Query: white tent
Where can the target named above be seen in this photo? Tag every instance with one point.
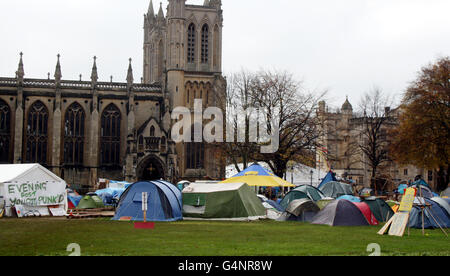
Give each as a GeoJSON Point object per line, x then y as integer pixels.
{"type": "Point", "coordinates": [32, 190]}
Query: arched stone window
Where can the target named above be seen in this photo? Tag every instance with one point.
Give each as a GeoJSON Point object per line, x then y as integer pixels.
{"type": "Point", "coordinates": [152, 131]}
{"type": "Point", "coordinates": [36, 138]}
{"type": "Point", "coordinates": [5, 132]}
{"type": "Point", "coordinates": [205, 44]}
{"type": "Point", "coordinates": [191, 44]}
{"type": "Point", "coordinates": [110, 136]}
{"type": "Point", "coordinates": [195, 153]}
{"type": "Point", "coordinates": [216, 51]}
{"type": "Point", "coordinates": [74, 121]}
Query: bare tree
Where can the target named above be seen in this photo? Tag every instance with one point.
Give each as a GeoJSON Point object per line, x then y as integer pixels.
{"type": "Point", "coordinates": [376, 118]}
{"type": "Point", "coordinates": [281, 99]}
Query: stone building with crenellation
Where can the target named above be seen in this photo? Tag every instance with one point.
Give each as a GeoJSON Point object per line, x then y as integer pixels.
{"type": "Point", "coordinates": [342, 134]}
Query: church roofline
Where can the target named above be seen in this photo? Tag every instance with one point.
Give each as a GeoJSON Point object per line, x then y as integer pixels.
{"type": "Point", "coordinates": [82, 85]}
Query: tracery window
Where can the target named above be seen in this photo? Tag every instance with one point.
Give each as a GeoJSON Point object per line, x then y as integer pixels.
{"type": "Point", "coordinates": [191, 44]}
{"type": "Point", "coordinates": [110, 136]}
{"type": "Point", "coordinates": [36, 140]}
{"type": "Point", "coordinates": [5, 132]}
{"type": "Point", "coordinates": [205, 44]}
{"type": "Point", "coordinates": [74, 121]}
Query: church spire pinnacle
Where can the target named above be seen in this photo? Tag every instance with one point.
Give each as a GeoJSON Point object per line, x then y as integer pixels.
{"type": "Point", "coordinates": [130, 78]}
{"type": "Point", "coordinates": [151, 11]}
{"type": "Point", "coordinates": [160, 12]}
{"type": "Point", "coordinates": [20, 71]}
{"type": "Point", "coordinates": [58, 74]}
{"type": "Point", "coordinates": [94, 74]}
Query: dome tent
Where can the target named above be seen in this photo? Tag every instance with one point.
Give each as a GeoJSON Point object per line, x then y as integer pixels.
{"type": "Point", "coordinates": [300, 210]}
{"type": "Point", "coordinates": [336, 189]}
{"type": "Point", "coordinates": [380, 209]}
{"type": "Point", "coordinates": [164, 202]}
{"type": "Point", "coordinates": [340, 213]}
{"type": "Point", "coordinates": [365, 209]}
{"type": "Point", "coordinates": [90, 201]}
{"type": "Point", "coordinates": [303, 191]}
{"type": "Point", "coordinates": [435, 216]}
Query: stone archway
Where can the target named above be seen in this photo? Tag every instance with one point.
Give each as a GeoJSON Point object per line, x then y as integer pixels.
{"type": "Point", "coordinates": [151, 168]}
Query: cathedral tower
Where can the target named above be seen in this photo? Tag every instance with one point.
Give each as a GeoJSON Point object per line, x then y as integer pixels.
{"type": "Point", "coordinates": [183, 52]}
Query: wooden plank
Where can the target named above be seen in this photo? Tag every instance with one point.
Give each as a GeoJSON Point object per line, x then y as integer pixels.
{"type": "Point", "coordinates": [386, 226]}
{"type": "Point", "coordinates": [399, 224]}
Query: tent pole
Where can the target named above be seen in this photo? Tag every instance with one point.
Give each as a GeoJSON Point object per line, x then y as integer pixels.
{"type": "Point", "coordinates": [422, 208]}
{"type": "Point", "coordinates": [437, 222]}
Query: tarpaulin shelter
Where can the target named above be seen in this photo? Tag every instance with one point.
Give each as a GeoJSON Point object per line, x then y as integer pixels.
{"type": "Point", "coordinates": [90, 201]}
{"type": "Point", "coordinates": [300, 210]}
{"type": "Point", "coordinates": [303, 191]}
{"type": "Point", "coordinates": [331, 176]}
{"type": "Point", "coordinates": [270, 202]}
{"type": "Point", "coordinates": [350, 198]}
{"type": "Point", "coordinates": [163, 202]}
{"type": "Point", "coordinates": [340, 213]}
{"type": "Point", "coordinates": [32, 188]}
{"type": "Point", "coordinates": [434, 215]}
{"type": "Point", "coordinates": [221, 201]}
{"type": "Point", "coordinates": [336, 189]}
{"type": "Point", "coordinates": [365, 209]}
{"type": "Point", "coordinates": [257, 176]}
{"type": "Point", "coordinates": [380, 209]}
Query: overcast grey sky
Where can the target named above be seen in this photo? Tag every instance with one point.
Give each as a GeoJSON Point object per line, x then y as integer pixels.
{"type": "Point", "coordinates": [345, 46]}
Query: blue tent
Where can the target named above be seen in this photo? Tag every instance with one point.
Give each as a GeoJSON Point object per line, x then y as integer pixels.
{"type": "Point", "coordinates": [350, 198]}
{"type": "Point", "coordinates": [329, 177]}
{"type": "Point", "coordinates": [164, 202]}
{"type": "Point", "coordinates": [435, 210]}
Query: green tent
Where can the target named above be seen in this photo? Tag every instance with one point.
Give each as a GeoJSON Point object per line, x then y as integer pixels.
{"type": "Point", "coordinates": [380, 209]}
{"type": "Point", "coordinates": [303, 191]}
{"type": "Point", "coordinates": [91, 201]}
{"type": "Point", "coordinates": [221, 201]}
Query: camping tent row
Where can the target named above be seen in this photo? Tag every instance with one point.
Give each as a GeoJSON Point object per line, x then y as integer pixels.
{"type": "Point", "coordinates": [340, 212]}
{"type": "Point", "coordinates": [31, 190]}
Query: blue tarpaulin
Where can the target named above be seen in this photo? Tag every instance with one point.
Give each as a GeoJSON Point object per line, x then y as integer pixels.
{"type": "Point", "coordinates": [328, 178]}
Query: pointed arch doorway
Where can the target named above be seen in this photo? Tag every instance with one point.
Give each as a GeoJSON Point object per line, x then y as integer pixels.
{"type": "Point", "coordinates": [150, 168]}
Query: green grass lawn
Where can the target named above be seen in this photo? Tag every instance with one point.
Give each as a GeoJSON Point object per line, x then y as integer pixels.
{"type": "Point", "coordinates": [40, 236]}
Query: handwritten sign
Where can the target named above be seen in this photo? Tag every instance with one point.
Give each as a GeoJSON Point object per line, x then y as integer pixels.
{"type": "Point", "coordinates": [398, 223]}
{"type": "Point", "coordinates": [35, 194]}
{"type": "Point", "coordinates": [407, 200]}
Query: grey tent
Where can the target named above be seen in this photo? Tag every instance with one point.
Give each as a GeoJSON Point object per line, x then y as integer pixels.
{"type": "Point", "coordinates": [443, 203]}
{"type": "Point", "coordinates": [300, 210]}
{"type": "Point", "coordinates": [446, 192]}
{"type": "Point", "coordinates": [336, 189]}
{"type": "Point", "coordinates": [340, 213]}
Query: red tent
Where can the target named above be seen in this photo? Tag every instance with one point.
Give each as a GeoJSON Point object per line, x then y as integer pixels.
{"type": "Point", "coordinates": [365, 209]}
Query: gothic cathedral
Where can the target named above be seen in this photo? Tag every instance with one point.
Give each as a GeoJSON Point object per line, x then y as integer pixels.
{"type": "Point", "coordinates": [86, 130]}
